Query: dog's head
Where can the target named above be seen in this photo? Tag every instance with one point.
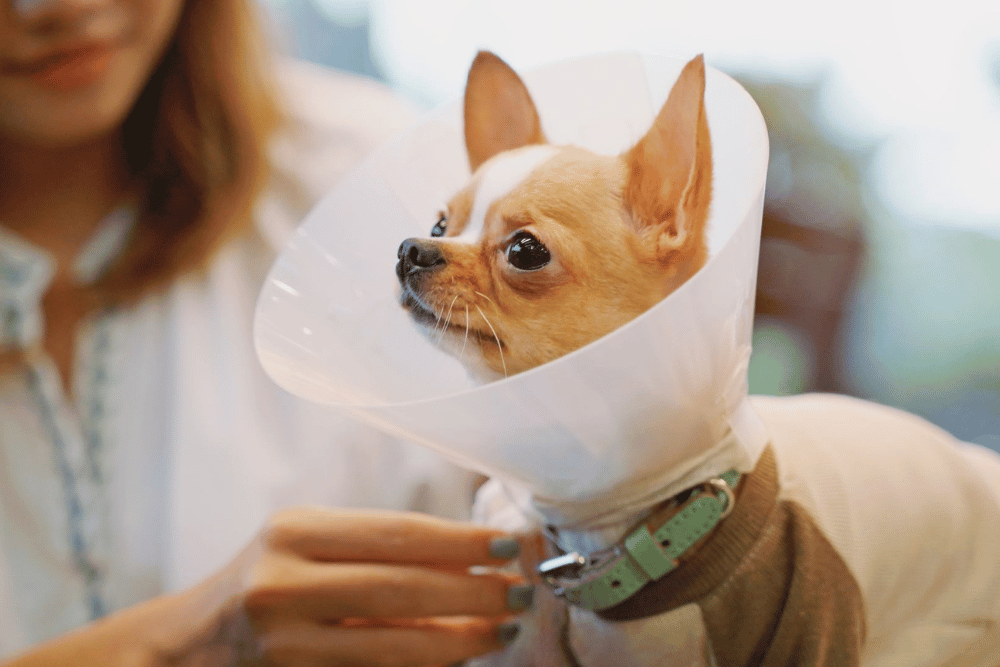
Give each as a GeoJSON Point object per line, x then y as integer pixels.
{"type": "Point", "coordinates": [548, 248]}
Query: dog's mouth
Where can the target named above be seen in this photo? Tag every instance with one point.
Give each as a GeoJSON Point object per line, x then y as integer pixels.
{"type": "Point", "coordinates": [430, 319]}
{"type": "Point", "coordinates": [418, 311]}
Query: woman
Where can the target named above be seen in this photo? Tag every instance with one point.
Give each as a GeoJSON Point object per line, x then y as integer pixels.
{"type": "Point", "coordinates": [140, 444]}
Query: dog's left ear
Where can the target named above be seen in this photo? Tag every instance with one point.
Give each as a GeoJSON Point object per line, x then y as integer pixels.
{"type": "Point", "coordinates": [669, 182]}
{"type": "Point", "coordinates": [499, 112]}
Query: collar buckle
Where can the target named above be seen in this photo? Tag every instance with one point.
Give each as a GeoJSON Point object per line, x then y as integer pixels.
{"type": "Point", "coordinates": [570, 565]}
{"type": "Point", "coordinates": [610, 576]}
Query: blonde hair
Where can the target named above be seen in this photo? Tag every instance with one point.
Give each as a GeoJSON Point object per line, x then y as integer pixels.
{"type": "Point", "coordinates": [196, 140]}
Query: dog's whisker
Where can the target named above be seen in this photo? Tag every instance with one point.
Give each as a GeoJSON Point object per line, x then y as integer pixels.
{"type": "Point", "coordinates": [488, 299]}
{"type": "Point", "coordinates": [499, 346]}
{"type": "Point", "coordinates": [466, 339]}
{"type": "Point", "coordinates": [437, 322]}
{"type": "Point", "coordinates": [447, 320]}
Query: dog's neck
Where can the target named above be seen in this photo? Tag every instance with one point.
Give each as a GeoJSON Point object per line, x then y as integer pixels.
{"type": "Point", "coordinates": [596, 524]}
{"type": "Point", "coordinates": [597, 537]}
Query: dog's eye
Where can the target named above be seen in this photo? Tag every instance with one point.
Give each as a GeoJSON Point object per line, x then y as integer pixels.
{"type": "Point", "coordinates": [527, 253]}
{"type": "Point", "coordinates": [440, 227]}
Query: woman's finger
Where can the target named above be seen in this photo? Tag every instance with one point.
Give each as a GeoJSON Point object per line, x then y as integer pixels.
{"type": "Point", "coordinates": [421, 645]}
{"type": "Point", "coordinates": [329, 591]}
{"type": "Point", "coordinates": [387, 537]}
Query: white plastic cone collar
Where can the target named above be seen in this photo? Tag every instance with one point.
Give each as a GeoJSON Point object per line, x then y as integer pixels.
{"type": "Point", "coordinates": [657, 403]}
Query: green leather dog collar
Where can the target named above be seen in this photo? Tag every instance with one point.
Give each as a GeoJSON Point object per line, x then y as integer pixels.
{"type": "Point", "coordinates": [608, 577]}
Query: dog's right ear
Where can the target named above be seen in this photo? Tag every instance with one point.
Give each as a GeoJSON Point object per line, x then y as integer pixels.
{"type": "Point", "coordinates": [499, 112]}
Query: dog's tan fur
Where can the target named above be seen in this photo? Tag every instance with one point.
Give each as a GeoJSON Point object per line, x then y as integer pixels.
{"type": "Point", "coordinates": [623, 231]}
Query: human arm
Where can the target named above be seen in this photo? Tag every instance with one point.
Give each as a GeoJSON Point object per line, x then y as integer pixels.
{"type": "Point", "coordinates": [317, 586]}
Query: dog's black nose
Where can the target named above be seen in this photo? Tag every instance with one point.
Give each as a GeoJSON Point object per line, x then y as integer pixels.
{"type": "Point", "coordinates": [417, 255]}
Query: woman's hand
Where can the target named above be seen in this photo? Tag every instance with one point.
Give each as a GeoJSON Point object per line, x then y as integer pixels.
{"type": "Point", "coordinates": [331, 587]}
{"type": "Point", "coordinates": [321, 587]}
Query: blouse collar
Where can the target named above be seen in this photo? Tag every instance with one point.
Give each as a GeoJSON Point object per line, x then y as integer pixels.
{"type": "Point", "coordinates": [26, 272]}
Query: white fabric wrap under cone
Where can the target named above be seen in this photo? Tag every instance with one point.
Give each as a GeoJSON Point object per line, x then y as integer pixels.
{"type": "Point", "coordinates": [657, 405]}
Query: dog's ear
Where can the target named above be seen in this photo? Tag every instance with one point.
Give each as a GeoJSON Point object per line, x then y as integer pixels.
{"type": "Point", "coordinates": [499, 113]}
{"type": "Point", "coordinates": [669, 180]}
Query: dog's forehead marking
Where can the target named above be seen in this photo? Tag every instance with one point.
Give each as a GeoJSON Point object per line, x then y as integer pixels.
{"type": "Point", "coordinates": [500, 176]}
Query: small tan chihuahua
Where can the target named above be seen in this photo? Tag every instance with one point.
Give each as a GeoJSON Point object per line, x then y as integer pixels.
{"type": "Point", "coordinates": [549, 248]}
{"type": "Point", "coordinates": [842, 544]}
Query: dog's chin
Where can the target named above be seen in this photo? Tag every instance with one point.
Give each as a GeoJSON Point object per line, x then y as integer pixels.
{"type": "Point", "coordinates": [420, 313]}
{"type": "Point", "coordinates": [427, 320]}
{"type": "Point", "coordinates": [465, 345]}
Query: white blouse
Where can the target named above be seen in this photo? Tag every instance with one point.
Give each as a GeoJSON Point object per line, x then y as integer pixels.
{"type": "Point", "coordinates": [176, 445]}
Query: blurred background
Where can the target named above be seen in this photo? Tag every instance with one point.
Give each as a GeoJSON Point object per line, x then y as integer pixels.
{"type": "Point", "coordinates": [880, 259]}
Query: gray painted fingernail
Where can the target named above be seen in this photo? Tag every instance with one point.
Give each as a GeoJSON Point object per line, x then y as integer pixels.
{"type": "Point", "coordinates": [21, 6]}
{"type": "Point", "coordinates": [504, 548]}
{"type": "Point", "coordinates": [519, 598]}
{"type": "Point", "coordinates": [508, 632]}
